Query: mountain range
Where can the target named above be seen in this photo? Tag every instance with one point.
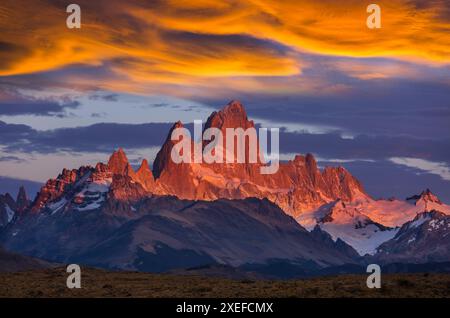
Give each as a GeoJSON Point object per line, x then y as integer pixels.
{"type": "Point", "coordinates": [193, 214]}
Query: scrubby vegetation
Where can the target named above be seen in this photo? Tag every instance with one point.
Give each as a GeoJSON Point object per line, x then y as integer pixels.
{"type": "Point", "coordinates": [99, 283]}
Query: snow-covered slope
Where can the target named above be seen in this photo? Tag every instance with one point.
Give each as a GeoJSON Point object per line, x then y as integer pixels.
{"type": "Point", "coordinates": [364, 223]}
{"type": "Point", "coordinates": [395, 212]}
{"type": "Point", "coordinates": [349, 224]}
{"type": "Point", "coordinates": [426, 238]}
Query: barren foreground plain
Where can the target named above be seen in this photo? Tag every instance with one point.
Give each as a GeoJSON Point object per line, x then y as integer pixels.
{"type": "Point", "coordinates": [100, 283]}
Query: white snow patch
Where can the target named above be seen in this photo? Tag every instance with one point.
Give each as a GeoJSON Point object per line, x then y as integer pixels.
{"type": "Point", "coordinates": [421, 220]}
{"type": "Point", "coordinates": [98, 186]}
{"type": "Point", "coordinates": [9, 213]}
{"type": "Point", "coordinates": [350, 225]}
{"type": "Point", "coordinates": [94, 191]}
{"type": "Point", "coordinates": [436, 224]}
{"type": "Point", "coordinates": [393, 213]}
{"type": "Point", "coordinates": [364, 240]}
{"type": "Point", "coordinates": [56, 206]}
{"type": "Point", "coordinates": [91, 206]}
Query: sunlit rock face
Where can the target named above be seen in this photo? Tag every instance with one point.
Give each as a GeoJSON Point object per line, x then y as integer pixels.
{"type": "Point", "coordinates": [296, 187]}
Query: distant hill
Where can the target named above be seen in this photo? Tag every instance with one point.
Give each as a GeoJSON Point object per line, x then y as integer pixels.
{"type": "Point", "coordinates": [12, 262]}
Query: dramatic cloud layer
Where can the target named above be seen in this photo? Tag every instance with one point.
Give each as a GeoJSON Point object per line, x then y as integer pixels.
{"type": "Point", "coordinates": [106, 137]}
{"type": "Point", "coordinates": [160, 43]}
{"type": "Point", "coordinates": [13, 104]}
{"type": "Point", "coordinates": [342, 91]}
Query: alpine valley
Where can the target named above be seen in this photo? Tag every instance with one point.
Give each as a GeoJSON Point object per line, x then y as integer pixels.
{"type": "Point", "coordinates": [302, 219]}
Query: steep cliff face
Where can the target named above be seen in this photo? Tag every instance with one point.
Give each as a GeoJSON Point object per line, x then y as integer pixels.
{"type": "Point", "coordinates": [163, 162]}
{"type": "Point", "coordinates": [145, 176]}
{"type": "Point", "coordinates": [22, 201]}
{"type": "Point", "coordinates": [296, 187]}
{"type": "Point", "coordinates": [118, 163]}
{"type": "Point", "coordinates": [55, 188]}
{"type": "Point", "coordinates": [232, 116]}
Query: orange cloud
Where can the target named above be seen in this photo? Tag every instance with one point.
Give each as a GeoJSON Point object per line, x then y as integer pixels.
{"type": "Point", "coordinates": [414, 30]}
{"type": "Point", "coordinates": [369, 70]}
{"type": "Point", "coordinates": [49, 45]}
{"type": "Point", "coordinates": [168, 42]}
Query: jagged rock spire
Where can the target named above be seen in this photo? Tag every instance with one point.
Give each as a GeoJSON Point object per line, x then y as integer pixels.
{"type": "Point", "coordinates": [425, 196]}
{"type": "Point", "coordinates": [145, 176]}
{"type": "Point", "coordinates": [22, 199]}
{"type": "Point", "coordinates": [163, 160]}
{"type": "Point", "coordinates": [118, 162]}
{"type": "Point", "coordinates": [233, 115]}
{"type": "Point", "coordinates": [144, 168]}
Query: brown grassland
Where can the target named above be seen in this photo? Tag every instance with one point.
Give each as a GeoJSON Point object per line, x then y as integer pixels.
{"type": "Point", "coordinates": [100, 283]}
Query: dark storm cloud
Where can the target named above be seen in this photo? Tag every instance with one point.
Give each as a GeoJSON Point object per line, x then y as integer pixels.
{"type": "Point", "coordinates": [381, 107]}
{"type": "Point", "coordinates": [13, 103]}
{"type": "Point", "coordinates": [209, 43]}
{"type": "Point", "coordinates": [366, 147]}
{"type": "Point", "coordinates": [104, 137]}
{"type": "Point", "coordinates": [57, 79]}
{"type": "Point", "coordinates": [10, 52]}
{"type": "Point", "coordinates": [41, 108]}
{"type": "Point", "coordinates": [11, 158]}
{"type": "Point", "coordinates": [105, 97]}
{"type": "Point", "coordinates": [13, 133]}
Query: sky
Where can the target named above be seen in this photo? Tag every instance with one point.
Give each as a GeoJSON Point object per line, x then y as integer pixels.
{"type": "Point", "coordinates": [376, 101]}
